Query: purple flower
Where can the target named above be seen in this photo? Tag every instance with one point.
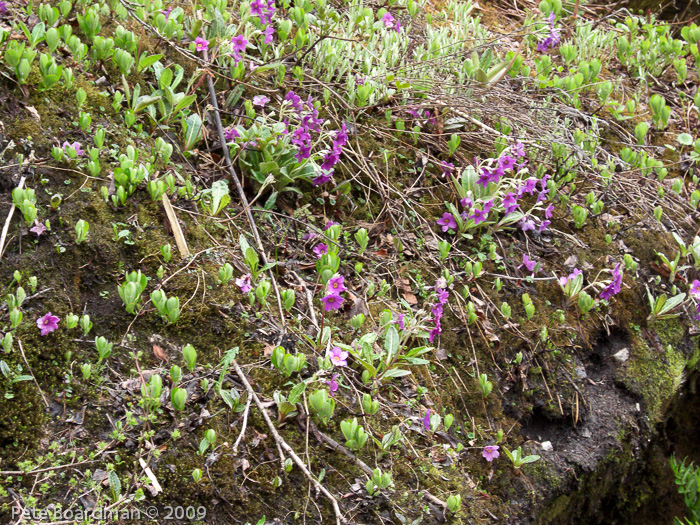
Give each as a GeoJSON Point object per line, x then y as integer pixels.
{"type": "Point", "coordinates": [529, 186]}
{"type": "Point", "coordinates": [543, 226]}
{"type": "Point", "coordinates": [231, 133]}
{"type": "Point", "coordinates": [260, 100]}
{"type": "Point", "coordinates": [447, 168]}
{"type": "Point", "coordinates": [76, 147]}
{"type": "Point", "coordinates": [563, 280]}
{"type": "Point", "coordinates": [38, 229]}
{"type": "Point", "coordinates": [320, 249]}
{"type": "Point", "coordinates": [487, 205]}
{"type": "Point", "coordinates": [448, 221]}
{"type": "Point", "coordinates": [322, 179]}
{"type": "Point", "coordinates": [489, 176]}
{"type": "Point", "coordinates": [519, 149]}
{"type": "Point", "coordinates": [47, 324]}
{"type": "Point", "coordinates": [399, 321]}
{"type": "Point", "coordinates": [335, 284]}
{"type": "Point", "coordinates": [442, 295]}
{"type": "Point", "coordinates": [614, 287]}
{"type": "Point", "coordinates": [548, 211]}
{"type": "Point", "coordinates": [244, 283]}
{"type": "Point", "coordinates": [506, 162]}
{"type": "Point", "coordinates": [329, 224]}
{"type": "Point", "coordinates": [426, 420]}
{"type": "Point", "coordinates": [510, 203]}
{"type": "Point", "coordinates": [479, 216]}
{"type": "Point", "coordinates": [435, 331]}
{"type": "Point", "coordinates": [256, 8]}
{"type": "Point", "coordinates": [239, 43]}
{"type": "Point", "coordinates": [467, 203]}
{"type": "Point", "coordinates": [268, 32]}
{"type": "Point", "coordinates": [527, 224]}
{"type": "Point", "coordinates": [294, 99]}
{"type": "Point", "coordinates": [388, 20]}
{"type": "Point", "coordinates": [694, 288]}
{"type": "Point", "coordinates": [166, 12]}
{"type": "Point", "coordinates": [339, 357]}
{"type": "Point", "coordinates": [528, 264]}
{"type": "Point", "coordinates": [201, 44]}
{"type": "Point", "coordinates": [490, 453]}
{"type": "Point", "coordinates": [332, 302]}
{"type": "Point", "coordinates": [333, 384]}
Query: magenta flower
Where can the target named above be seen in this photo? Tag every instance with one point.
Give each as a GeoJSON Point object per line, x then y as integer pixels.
{"type": "Point", "coordinates": [201, 44]}
{"type": "Point", "coordinates": [490, 453]}
{"type": "Point", "coordinates": [320, 250]}
{"type": "Point", "coordinates": [506, 162]}
{"type": "Point", "coordinates": [38, 229]}
{"type": "Point", "coordinates": [527, 224]}
{"type": "Point", "coordinates": [447, 222]}
{"type": "Point", "coordinates": [329, 224]}
{"type": "Point", "coordinates": [166, 12]}
{"type": "Point", "coordinates": [268, 32]}
{"type": "Point", "coordinates": [333, 385]}
{"type": "Point", "coordinates": [529, 186]}
{"type": "Point", "coordinates": [519, 149]}
{"type": "Point", "coordinates": [510, 203]}
{"type": "Point", "coordinates": [76, 147]}
{"type": "Point", "coordinates": [614, 287]}
{"type": "Point", "coordinates": [231, 133]}
{"type": "Point", "coordinates": [447, 168]}
{"type": "Point", "coordinates": [548, 211]}
{"type": "Point", "coordinates": [565, 279]}
{"type": "Point", "coordinates": [695, 289]}
{"type": "Point", "coordinates": [426, 420]}
{"type": "Point", "coordinates": [239, 43]}
{"type": "Point", "coordinates": [244, 283]}
{"type": "Point", "coordinates": [479, 216]}
{"type": "Point", "coordinates": [3, 8]}
{"type": "Point", "coordinates": [467, 203]}
{"type": "Point", "coordinates": [47, 324]}
{"type": "Point", "coordinates": [399, 321]}
{"type": "Point", "coordinates": [335, 284]}
{"type": "Point", "coordinates": [528, 264]}
{"type": "Point", "coordinates": [388, 20]}
{"type": "Point", "coordinates": [339, 357]}
{"type": "Point", "coordinates": [260, 100]}
{"type": "Point", "coordinates": [332, 302]}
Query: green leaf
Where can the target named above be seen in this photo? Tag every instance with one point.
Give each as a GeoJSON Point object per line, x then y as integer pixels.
{"type": "Point", "coordinates": [391, 342]}
{"type": "Point", "coordinates": [193, 127]}
{"type": "Point", "coordinates": [685, 139]}
{"type": "Point", "coordinates": [145, 61]}
{"type": "Point", "coordinates": [183, 103]}
{"type": "Point", "coordinates": [396, 372]}
{"type": "Point", "coordinates": [145, 101]}
{"type": "Point", "coordinates": [295, 393]}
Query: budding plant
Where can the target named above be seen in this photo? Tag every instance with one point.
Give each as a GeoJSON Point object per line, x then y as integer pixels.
{"type": "Point", "coordinates": [517, 459]}
{"type": "Point", "coordinates": [355, 435]}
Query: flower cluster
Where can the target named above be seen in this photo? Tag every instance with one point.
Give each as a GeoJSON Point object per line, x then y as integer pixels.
{"type": "Point", "coordinates": [264, 10]}
{"type": "Point", "coordinates": [333, 300]}
{"type": "Point", "coordinates": [614, 287]}
{"type": "Point", "coordinates": [530, 265]}
{"type": "Point", "coordinates": [239, 43]}
{"type": "Point", "coordinates": [493, 172]}
{"type": "Point", "coordinates": [442, 296]}
{"type": "Point", "coordinates": [333, 156]}
{"type": "Point", "coordinates": [391, 23]}
{"type": "Point", "coordinates": [301, 136]}
{"type": "Point", "coordinates": [552, 39]}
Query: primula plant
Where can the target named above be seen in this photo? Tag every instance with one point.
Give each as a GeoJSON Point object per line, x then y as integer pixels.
{"type": "Point", "coordinates": [361, 251]}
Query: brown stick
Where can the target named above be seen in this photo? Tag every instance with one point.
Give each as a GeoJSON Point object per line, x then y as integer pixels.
{"type": "Point", "coordinates": [6, 227]}
{"type": "Point", "coordinates": [32, 373]}
{"type": "Point", "coordinates": [282, 444]}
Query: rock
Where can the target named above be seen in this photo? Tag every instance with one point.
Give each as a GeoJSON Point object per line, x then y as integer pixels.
{"type": "Point", "coordinates": [547, 446]}
{"type": "Point", "coordinates": [622, 356]}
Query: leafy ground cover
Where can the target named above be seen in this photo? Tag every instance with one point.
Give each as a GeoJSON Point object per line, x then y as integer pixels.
{"type": "Point", "coordinates": [343, 261]}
